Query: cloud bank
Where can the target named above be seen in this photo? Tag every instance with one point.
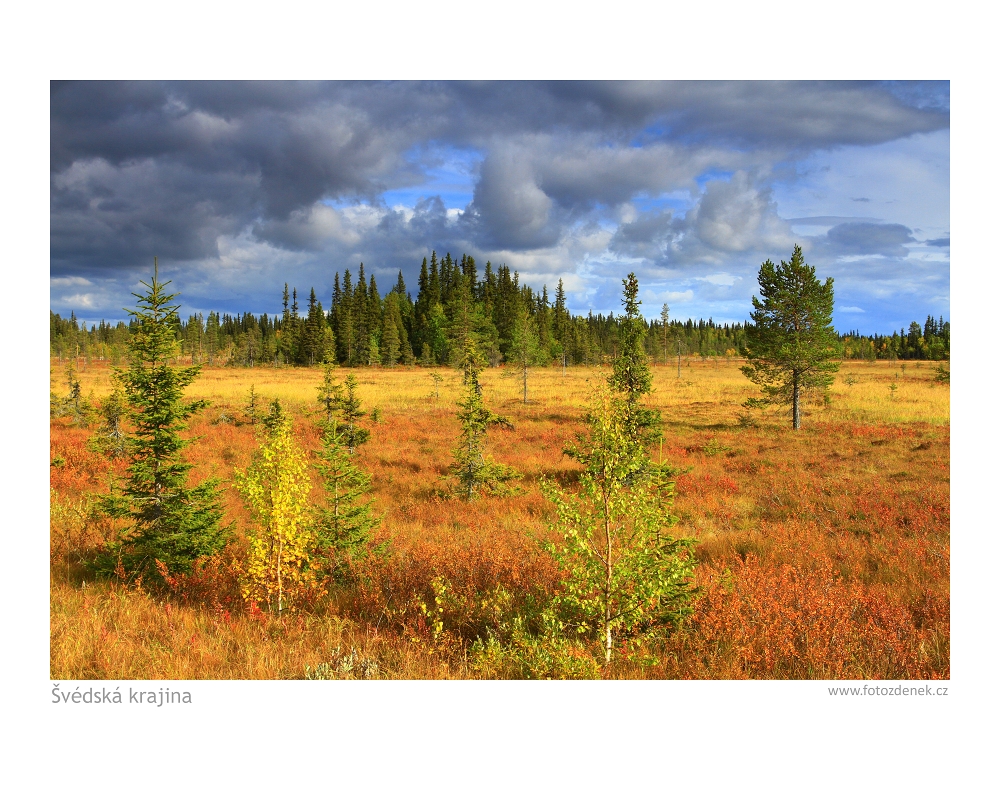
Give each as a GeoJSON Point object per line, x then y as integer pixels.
{"type": "Point", "coordinates": [238, 187]}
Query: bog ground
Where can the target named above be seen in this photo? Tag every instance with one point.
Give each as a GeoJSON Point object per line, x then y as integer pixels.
{"type": "Point", "coordinates": [822, 553]}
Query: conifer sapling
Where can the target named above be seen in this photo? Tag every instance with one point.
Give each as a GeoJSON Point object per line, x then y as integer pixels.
{"type": "Point", "coordinates": [171, 522]}
{"type": "Point", "coordinates": [470, 468]}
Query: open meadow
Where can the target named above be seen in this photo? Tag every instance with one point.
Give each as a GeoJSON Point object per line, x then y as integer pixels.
{"type": "Point", "coordinates": [821, 553]}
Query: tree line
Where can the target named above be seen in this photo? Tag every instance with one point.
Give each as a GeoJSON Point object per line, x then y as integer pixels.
{"type": "Point", "coordinates": [361, 327]}
{"type": "Point", "coordinates": [932, 342]}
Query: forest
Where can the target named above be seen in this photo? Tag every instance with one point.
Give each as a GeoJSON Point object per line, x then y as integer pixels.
{"type": "Point", "coordinates": [363, 328]}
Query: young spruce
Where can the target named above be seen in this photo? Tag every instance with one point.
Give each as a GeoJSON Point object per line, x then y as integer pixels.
{"type": "Point", "coordinates": [171, 522]}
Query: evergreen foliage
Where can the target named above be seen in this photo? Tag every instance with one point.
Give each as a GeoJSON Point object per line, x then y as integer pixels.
{"type": "Point", "coordinates": [525, 349]}
{"type": "Point", "coordinates": [170, 522]}
{"type": "Point", "coordinates": [252, 407]}
{"type": "Point", "coordinates": [453, 297]}
{"type": "Point", "coordinates": [791, 345]}
{"type": "Point", "coordinates": [631, 376]}
{"type": "Point", "coordinates": [331, 394]}
{"type": "Point", "coordinates": [471, 469]}
{"type": "Point", "coordinates": [74, 390]}
{"type": "Point", "coordinates": [391, 324]}
{"type": "Point", "coordinates": [345, 522]}
{"type": "Point", "coordinates": [350, 411]}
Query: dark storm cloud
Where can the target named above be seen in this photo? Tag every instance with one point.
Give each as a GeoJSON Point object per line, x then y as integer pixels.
{"type": "Point", "coordinates": [797, 114]}
{"type": "Point", "coordinates": [105, 217]}
{"type": "Point", "coordinates": [868, 238]}
{"type": "Point", "coordinates": [173, 169]}
{"type": "Point", "coordinates": [154, 155]}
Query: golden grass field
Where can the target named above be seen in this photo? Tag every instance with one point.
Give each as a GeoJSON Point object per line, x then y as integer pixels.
{"type": "Point", "coordinates": [823, 553]}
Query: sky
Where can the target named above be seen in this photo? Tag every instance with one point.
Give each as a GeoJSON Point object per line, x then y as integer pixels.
{"type": "Point", "coordinates": [239, 187]}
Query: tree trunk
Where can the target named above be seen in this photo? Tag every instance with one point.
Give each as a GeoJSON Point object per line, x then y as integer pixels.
{"type": "Point", "coordinates": [796, 413]}
{"type": "Point", "coordinates": [280, 598]}
{"type": "Point", "coordinates": [607, 587]}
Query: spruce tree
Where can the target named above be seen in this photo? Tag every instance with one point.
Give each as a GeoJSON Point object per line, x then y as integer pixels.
{"type": "Point", "coordinates": [252, 408]}
{"type": "Point", "coordinates": [346, 330]}
{"type": "Point", "coordinates": [212, 336]}
{"type": "Point", "coordinates": [791, 345]}
{"type": "Point", "coordinates": [630, 374]}
{"type": "Point", "coordinates": [375, 312]}
{"type": "Point", "coordinates": [390, 330]}
{"type": "Point", "coordinates": [561, 322]}
{"type": "Point", "coordinates": [170, 521]}
{"type": "Point", "coordinates": [359, 312]}
{"type": "Point", "coordinates": [525, 350]}
{"type": "Point", "coordinates": [471, 469]}
{"type": "Point", "coordinates": [664, 318]}
{"type": "Point", "coordinates": [313, 339]}
{"type": "Point", "coordinates": [331, 395]}
{"type": "Point", "coordinates": [75, 395]}
{"type": "Point", "coordinates": [345, 522]}
{"type": "Point", "coordinates": [350, 410]}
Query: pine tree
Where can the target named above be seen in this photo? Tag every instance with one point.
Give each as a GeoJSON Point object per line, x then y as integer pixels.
{"type": "Point", "coordinates": [791, 344]}
{"type": "Point", "coordinates": [170, 522]}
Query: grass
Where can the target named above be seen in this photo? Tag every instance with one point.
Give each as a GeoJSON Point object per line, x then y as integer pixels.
{"type": "Point", "coordinates": [822, 553]}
